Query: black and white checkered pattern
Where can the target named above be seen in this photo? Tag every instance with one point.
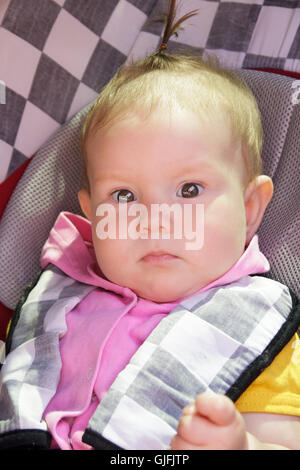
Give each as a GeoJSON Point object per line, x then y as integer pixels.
{"type": "Point", "coordinates": [56, 55]}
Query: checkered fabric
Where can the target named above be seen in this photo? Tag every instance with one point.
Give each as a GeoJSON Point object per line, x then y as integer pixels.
{"type": "Point", "coordinates": [192, 349]}
{"type": "Point", "coordinates": [35, 348]}
{"type": "Point", "coordinates": [55, 55]}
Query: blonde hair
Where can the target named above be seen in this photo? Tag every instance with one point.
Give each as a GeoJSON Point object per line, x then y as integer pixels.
{"type": "Point", "coordinates": [163, 80]}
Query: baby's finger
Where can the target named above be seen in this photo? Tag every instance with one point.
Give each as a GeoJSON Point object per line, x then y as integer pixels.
{"type": "Point", "coordinates": [189, 409]}
{"type": "Point", "coordinates": [178, 443]}
{"type": "Point", "coordinates": [219, 409]}
{"type": "Point", "coordinates": [196, 430]}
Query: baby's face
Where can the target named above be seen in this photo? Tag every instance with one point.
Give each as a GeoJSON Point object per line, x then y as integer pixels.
{"type": "Point", "coordinates": [173, 161]}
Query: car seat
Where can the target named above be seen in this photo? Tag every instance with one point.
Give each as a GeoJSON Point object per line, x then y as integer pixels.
{"type": "Point", "coordinates": [52, 179]}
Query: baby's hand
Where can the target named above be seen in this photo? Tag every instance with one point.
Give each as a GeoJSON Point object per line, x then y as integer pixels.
{"type": "Point", "coordinates": [211, 422]}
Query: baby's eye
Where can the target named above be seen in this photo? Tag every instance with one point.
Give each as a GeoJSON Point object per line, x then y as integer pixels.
{"type": "Point", "coordinates": [123, 195]}
{"type": "Point", "coordinates": [190, 190]}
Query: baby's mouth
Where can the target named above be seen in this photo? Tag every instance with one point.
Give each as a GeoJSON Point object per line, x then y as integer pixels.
{"type": "Point", "coordinates": [158, 257]}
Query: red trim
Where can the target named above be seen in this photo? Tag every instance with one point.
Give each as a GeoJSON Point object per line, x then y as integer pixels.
{"type": "Point", "coordinates": [279, 72]}
{"type": "Point", "coordinates": [5, 316]}
{"type": "Point", "coordinates": [7, 186]}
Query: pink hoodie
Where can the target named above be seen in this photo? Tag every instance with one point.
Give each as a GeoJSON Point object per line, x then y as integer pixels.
{"type": "Point", "coordinates": [106, 328]}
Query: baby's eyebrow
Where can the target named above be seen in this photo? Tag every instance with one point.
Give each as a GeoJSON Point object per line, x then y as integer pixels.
{"type": "Point", "coordinates": [195, 169]}
{"type": "Point", "coordinates": [198, 167]}
{"type": "Point", "coordinates": [113, 176]}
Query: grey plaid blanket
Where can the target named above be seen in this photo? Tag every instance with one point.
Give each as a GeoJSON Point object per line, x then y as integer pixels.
{"type": "Point", "coordinates": [219, 340]}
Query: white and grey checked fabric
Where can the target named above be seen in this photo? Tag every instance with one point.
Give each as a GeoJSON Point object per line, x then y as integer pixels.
{"type": "Point", "coordinates": [35, 350]}
{"type": "Point", "coordinates": [206, 342]}
{"type": "Point", "coordinates": [55, 55]}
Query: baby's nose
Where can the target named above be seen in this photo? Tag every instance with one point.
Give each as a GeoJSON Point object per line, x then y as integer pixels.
{"type": "Point", "coordinates": [156, 221]}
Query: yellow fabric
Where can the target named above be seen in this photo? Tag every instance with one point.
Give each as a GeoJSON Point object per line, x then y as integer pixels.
{"type": "Point", "coordinates": [8, 327]}
{"type": "Point", "coordinates": [277, 389]}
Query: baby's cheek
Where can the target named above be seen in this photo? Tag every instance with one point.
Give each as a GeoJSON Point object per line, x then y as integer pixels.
{"type": "Point", "coordinates": [224, 241]}
{"type": "Point", "coordinates": [106, 256]}
{"type": "Point", "coordinates": [226, 217]}
{"type": "Point", "coordinates": [113, 259]}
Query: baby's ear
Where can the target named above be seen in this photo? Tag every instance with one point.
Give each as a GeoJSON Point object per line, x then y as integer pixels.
{"type": "Point", "coordinates": [257, 196]}
{"type": "Point", "coordinates": [85, 202]}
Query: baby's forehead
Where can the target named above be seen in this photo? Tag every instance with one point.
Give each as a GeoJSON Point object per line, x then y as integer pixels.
{"type": "Point", "coordinates": [186, 141]}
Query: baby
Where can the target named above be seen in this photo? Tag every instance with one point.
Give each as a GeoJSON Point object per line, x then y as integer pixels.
{"type": "Point", "coordinates": [182, 133]}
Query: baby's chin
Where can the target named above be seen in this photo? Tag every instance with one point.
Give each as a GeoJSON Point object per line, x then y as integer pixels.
{"type": "Point", "coordinates": [159, 298]}
{"type": "Point", "coordinates": [164, 295]}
